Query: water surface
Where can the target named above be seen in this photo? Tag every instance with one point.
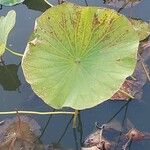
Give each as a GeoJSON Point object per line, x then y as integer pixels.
{"type": "Point", "coordinates": [17, 94]}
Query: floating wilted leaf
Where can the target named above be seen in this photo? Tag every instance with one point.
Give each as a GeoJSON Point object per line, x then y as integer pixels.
{"type": "Point", "coordinates": [20, 134]}
{"type": "Point", "coordinates": [136, 135]}
{"type": "Point", "coordinates": [6, 24]}
{"type": "Point", "coordinates": [8, 77]}
{"type": "Point", "coordinates": [133, 134]}
{"type": "Point", "coordinates": [10, 2]}
{"type": "Point", "coordinates": [80, 55]}
{"type": "Point", "coordinates": [93, 140]}
{"type": "Point", "coordinates": [141, 27]}
{"type": "Point", "coordinates": [120, 3]}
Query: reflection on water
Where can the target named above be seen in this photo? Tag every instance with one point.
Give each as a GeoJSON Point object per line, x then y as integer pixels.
{"type": "Point", "coordinates": [39, 5]}
{"type": "Point", "coordinates": [58, 129]}
{"type": "Point", "coordinates": [8, 77]}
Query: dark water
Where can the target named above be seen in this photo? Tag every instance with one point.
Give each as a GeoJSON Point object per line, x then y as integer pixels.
{"type": "Point", "coordinates": [16, 93]}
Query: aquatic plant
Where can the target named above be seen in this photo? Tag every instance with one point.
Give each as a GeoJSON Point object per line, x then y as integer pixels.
{"type": "Point", "coordinates": [80, 57]}
{"type": "Point", "coordinates": [77, 57]}
{"type": "Point", "coordinates": [10, 2]}
{"type": "Point", "coordinates": [141, 27]}
{"type": "Point", "coordinates": [6, 25]}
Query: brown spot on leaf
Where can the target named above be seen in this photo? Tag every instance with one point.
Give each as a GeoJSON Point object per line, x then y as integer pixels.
{"type": "Point", "coordinates": [96, 21]}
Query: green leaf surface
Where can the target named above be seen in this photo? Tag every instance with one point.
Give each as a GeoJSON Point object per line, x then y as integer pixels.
{"type": "Point", "coordinates": [10, 2]}
{"type": "Point", "coordinates": [6, 25]}
{"type": "Point", "coordinates": [141, 27]}
{"type": "Point", "coordinates": [79, 56]}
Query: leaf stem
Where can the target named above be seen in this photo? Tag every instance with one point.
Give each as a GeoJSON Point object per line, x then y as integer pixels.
{"type": "Point", "coordinates": [15, 53]}
{"type": "Point", "coordinates": [145, 70]}
{"type": "Point", "coordinates": [123, 6]}
{"type": "Point", "coordinates": [37, 113]}
{"type": "Point", "coordinates": [75, 119]}
{"type": "Point", "coordinates": [124, 147]}
{"type": "Point", "coordinates": [49, 3]}
{"type": "Point", "coordinates": [127, 94]}
{"type": "Point", "coordinates": [125, 105]}
{"type": "Point", "coordinates": [86, 2]}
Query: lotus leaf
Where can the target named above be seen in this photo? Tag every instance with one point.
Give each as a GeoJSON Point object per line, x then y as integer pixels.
{"type": "Point", "coordinates": [10, 2]}
{"type": "Point", "coordinates": [79, 56]}
{"type": "Point", "coordinates": [6, 24]}
{"type": "Point", "coordinates": [141, 27]}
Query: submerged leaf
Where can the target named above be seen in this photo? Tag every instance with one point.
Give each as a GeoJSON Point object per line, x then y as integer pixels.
{"type": "Point", "coordinates": [10, 2]}
{"type": "Point", "coordinates": [6, 25]}
{"type": "Point", "coordinates": [80, 55]}
{"type": "Point", "coordinates": [141, 27]}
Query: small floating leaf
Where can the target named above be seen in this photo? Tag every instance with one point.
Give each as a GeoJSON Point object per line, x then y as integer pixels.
{"type": "Point", "coordinates": [141, 27]}
{"type": "Point", "coordinates": [10, 2]}
{"type": "Point", "coordinates": [6, 25]}
{"type": "Point", "coordinates": [80, 55]}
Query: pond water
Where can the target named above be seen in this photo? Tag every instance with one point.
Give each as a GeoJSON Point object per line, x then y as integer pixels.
{"type": "Point", "coordinates": [15, 93]}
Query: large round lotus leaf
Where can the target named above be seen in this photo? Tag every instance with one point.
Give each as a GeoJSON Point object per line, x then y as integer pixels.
{"type": "Point", "coordinates": [79, 56]}
{"type": "Point", "coordinates": [6, 24]}
{"type": "Point", "coordinates": [141, 27]}
{"type": "Point", "coordinates": [10, 2]}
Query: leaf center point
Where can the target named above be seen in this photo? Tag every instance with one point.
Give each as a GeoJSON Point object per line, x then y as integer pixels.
{"type": "Point", "coordinates": [77, 61]}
